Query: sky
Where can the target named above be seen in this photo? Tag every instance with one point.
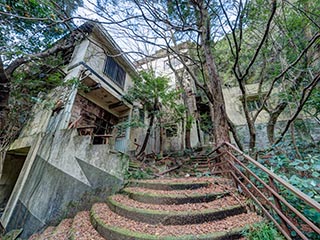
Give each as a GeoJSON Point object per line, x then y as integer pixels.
{"type": "Point", "coordinates": [120, 33]}
{"type": "Point", "coordinates": [127, 44]}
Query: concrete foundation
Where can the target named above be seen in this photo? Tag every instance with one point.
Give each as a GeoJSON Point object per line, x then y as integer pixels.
{"type": "Point", "coordinates": [61, 180]}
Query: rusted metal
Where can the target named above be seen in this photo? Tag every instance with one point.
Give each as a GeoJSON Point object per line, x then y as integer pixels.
{"type": "Point", "coordinates": [265, 198]}
{"type": "Point", "coordinates": [296, 191]}
{"type": "Point", "coordinates": [300, 215]}
{"type": "Point", "coordinates": [272, 189]}
{"type": "Point", "coordinates": [217, 156]}
{"type": "Point", "coordinates": [278, 204]}
{"type": "Point", "coordinates": [214, 150]}
{"type": "Point", "coordinates": [265, 211]}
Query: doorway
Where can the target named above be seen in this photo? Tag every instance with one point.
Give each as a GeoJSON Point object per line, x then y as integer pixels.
{"type": "Point", "coordinates": [11, 169]}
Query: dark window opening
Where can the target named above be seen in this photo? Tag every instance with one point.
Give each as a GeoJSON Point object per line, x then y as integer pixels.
{"type": "Point", "coordinates": [141, 115]}
{"type": "Point", "coordinates": [115, 72]}
{"type": "Point", "coordinates": [172, 131]}
{"type": "Point", "coordinates": [253, 105]}
{"type": "Point", "coordinates": [254, 101]}
{"type": "Point", "coordinates": [90, 119]}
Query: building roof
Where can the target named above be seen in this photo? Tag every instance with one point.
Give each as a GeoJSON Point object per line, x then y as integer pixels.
{"type": "Point", "coordinates": [102, 34]}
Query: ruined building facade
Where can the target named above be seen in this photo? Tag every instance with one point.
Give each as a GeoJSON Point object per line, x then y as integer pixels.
{"type": "Point", "coordinates": [71, 153]}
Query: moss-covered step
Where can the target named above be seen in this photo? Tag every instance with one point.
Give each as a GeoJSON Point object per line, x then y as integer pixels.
{"type": "Point", "coordinates": [115, 227]}
{"type": "Point", "coordinates": [61, 232]}
{"type": "Point", "coordinates": [158, 185]}
{"type": "Point", "coordinates": [168, 198]}
{"type": "Point", "coordinates": [45, 235]}
{"type": "Point", "coordinates": [167, 217]}
{"type": "Point", "coordinates": [82, 228]}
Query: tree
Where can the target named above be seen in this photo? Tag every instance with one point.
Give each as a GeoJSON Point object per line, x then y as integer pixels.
{"type": "Point", "coordinates": [278, 52]}
{"type": "Point", "coordinates": [32, 27]}
{"type": "Point", "coordinates": [191, 21]}
{"type": "Point", "coordinates": [158, 99]}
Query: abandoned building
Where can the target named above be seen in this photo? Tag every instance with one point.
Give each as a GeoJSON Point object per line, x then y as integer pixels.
{"type": "Point", "coordinates": [70, 152]}
{"type": "Point", "coordinates": [75, 150]}
{"type": "Point", "coordinates": [169, 65]}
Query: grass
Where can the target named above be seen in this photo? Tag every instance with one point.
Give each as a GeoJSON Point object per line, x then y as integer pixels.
{"type": "Point", "coordinates": [262, 231]}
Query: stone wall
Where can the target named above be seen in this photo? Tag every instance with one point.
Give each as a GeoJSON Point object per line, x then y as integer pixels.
{"type": "Point", "coordinates": [306, 131]}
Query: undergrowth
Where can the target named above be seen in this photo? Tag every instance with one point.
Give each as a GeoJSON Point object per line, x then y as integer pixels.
{"type": "Point", "coordinates": [262, 231]}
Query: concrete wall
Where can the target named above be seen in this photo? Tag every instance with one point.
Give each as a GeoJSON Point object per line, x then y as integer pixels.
{"type": "Point", "coordinates": [232, 97]}
{"type": "Point", "coordinates": [62, 171]}
{"type": "Point", "coordinates": [96, 58]}
{"type": "Point", "coordinates": [306, 131]}
{"type": "Point", "coordinates": [161, 66]}
{"type": "Point", "coordinates": [66, 175]}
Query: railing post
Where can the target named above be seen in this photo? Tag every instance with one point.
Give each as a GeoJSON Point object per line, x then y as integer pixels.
{"type": "Point", "coordinates": [278, 205]}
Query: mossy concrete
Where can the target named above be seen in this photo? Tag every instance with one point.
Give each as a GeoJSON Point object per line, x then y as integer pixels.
{"type": "Point", "coordinates": [118, 233]}
{"type": "Point", "coordinates": [62, 180]}
{"type": "Point", "coordinates": [156, 198]}
{"type": "Point", "coordinates": [173, 217]}
{"type": "Point", "coordinates": [168, 186]}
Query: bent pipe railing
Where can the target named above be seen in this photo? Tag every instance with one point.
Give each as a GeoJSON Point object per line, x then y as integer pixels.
{"type": "Point", "coordinates": [268, 199]}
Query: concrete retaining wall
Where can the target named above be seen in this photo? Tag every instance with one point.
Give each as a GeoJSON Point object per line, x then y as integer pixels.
{"type": "Point", "coordinates": [68, 174]}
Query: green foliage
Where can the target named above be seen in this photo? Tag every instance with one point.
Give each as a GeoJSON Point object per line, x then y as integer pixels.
{"type": "Point", "coordinates": [156, 96]}
{"type": "Point", "coordinates": [301, 173]}
{"type": "Point", "coordinates": [140, 174]}
{"type": "Point", "coordinates": [312, 107]}
{"type": "Point", "coordinates": [189, 122]}
{"type": "Point", "coordinates": [31, 25]}
{"type": "Point", "coordinates": [262, 231]}
{"type": "Point", "coordinates": [12, 235]}
{"type": "Point", "coordinates": [206, 123]}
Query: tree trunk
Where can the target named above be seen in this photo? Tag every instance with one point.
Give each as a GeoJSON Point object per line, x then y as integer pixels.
{"type": "Point", "coordinates": [4, 96]}
{"type": "Point", "coordinates": [187, 138]}
{"type": "Point", "coordinates": [273, 120]}
{"type": "Point", "coordinates": [146, 138]}
{"type": "Point", "coordinates": [187, 131]}
{"type": "Point", "coordinates": [218, 111]}
{"type": "Point", "coordinates": [292, 131]}
{"type": "Point", "coordinates": [160, 138]}
{"type": "Point", "coordinates": [152, 117]}
{"type": "Point", "coordinates": [233, 130]}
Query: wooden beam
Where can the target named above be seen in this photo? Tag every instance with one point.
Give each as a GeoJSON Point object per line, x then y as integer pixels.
{"type": "Point", "coordinates": [115, 105]}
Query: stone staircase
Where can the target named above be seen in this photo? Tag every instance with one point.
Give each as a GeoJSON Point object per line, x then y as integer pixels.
{"type": "Point", "coordinates": [172, 209]}
{"type": "Point", "coordinates": [196, 166]}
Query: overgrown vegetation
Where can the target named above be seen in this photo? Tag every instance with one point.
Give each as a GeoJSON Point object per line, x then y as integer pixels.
{"type": "Point", "coordinates": [274, 46]}
{"type": "Point", "coordinates": [158, 100]}
{"type": "Point", "coordinates": [262, 231]}
{"type": "Point", "coordinates": [302, 172]}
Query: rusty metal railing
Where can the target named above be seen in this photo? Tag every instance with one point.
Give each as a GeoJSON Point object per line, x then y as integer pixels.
{"type": "Point", "coordinates": [264, 191]}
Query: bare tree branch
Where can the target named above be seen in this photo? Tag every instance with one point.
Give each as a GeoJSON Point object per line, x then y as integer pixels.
{"type": "Point", "coordinates": [305, 96]}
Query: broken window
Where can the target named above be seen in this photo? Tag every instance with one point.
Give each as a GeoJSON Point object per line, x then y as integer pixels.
{"type": "Point", "coordinates": [253, 105]}
{"type": "Point", "coordinates": [253, 102]}
{"type": "Point", "coordinates": [115, 72]}
{"type": "Point", "coordinates": [172, 130]}
{"type": "Point", "coordinates": [91, 119]}
{"type": "Point", "coordinates": [141, 115]}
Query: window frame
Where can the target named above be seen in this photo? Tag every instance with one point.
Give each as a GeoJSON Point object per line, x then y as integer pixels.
{"type": "Point", "coordinates": [117, 75]}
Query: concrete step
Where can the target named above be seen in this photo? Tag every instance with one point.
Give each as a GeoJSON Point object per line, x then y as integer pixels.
{"type": "Point", "coordinates": [45, 235]}
{"type": "Point", "coordinates": [62, 231]}
{"type": "Point", "coordinates": [82, 228]}
{"type": "Point", "coordinates": [159, 185]}
{"type": "Point", "coordinates": [114, 227]}
{"type": "Point", "coordinates": [165, 197]}
{"type": "Point", "coordinates": [182, 209]}
{"type": "Point", "coordinates": [163, 214]}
